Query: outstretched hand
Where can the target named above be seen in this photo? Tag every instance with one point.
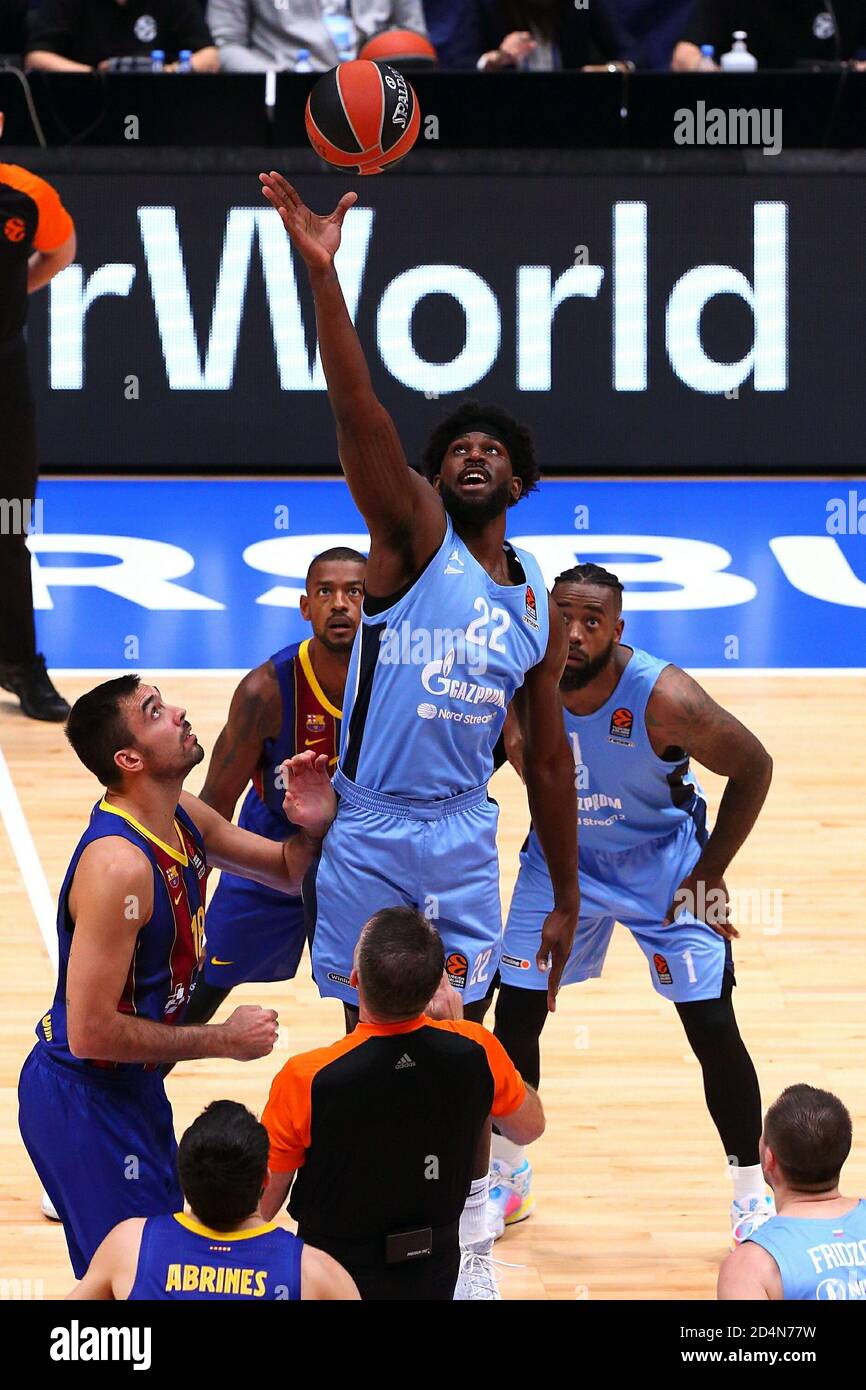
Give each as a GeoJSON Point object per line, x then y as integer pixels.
{"type": "Point", "coordinates": [317, 239]}
{"type": "Point", "coordinates": [309, 800]}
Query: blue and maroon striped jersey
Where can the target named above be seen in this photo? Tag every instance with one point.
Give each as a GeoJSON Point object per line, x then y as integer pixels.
{"type": "Point", "coordinates": [168, 949]}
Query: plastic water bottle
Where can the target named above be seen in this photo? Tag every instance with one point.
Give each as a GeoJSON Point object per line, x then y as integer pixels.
{"type": "Point", "coordinates": [302, 62]}
{"type": "Point", "coordinates": [184, 60]}
{"type": "Point", "coordinates": [708, 58]}
{"type": "Point", "coordinates": [157, 60]}
{"type": "Point", "coordinates": [342, 31]}
{"type": "Point", "coordinates": [739, 59]}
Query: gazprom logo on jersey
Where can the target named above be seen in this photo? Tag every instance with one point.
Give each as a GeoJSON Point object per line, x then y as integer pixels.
{"type": "Point", "coordinates": [420, 646]}
{"type": "Point", "coordinates": [436, 679]}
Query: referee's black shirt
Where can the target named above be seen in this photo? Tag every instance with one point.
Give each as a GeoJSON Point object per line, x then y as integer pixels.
{"type": "Point", "coordinates": [384, 1126]}
{"type": "Point", "coordinates": [32, 218]}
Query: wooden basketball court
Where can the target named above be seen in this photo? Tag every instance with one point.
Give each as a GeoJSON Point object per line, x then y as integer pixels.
{"type": "Point", "coordinates": [632, 1196]}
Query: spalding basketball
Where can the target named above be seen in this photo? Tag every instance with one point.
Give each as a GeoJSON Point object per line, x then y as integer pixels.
{"type": "Point", "coordinates": [362, 116]}
{"type": "Point", "coordinates": [404, 48]}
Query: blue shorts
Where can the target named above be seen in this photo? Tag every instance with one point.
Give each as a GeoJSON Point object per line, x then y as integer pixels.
{"type": "Point", "coordinates": [103, 1145]}
{"type": "Point", "coordinates": [252, 933]}
{"type": "Point", "coordinates": [686, 960]}
{"type": "Point", "coordinates": [439, 857]}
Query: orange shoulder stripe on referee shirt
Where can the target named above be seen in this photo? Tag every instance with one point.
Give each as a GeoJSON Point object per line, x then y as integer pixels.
{"type": "Point", "coordinates": [55, 225]}
{"type": "Point", "coordinates": [288, 1114]}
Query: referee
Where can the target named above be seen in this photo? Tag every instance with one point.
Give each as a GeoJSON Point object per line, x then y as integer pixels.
{"type": "Point", "coordinates": [37, 241]}
{"type": "Point", "coordinates": [387, 1127]}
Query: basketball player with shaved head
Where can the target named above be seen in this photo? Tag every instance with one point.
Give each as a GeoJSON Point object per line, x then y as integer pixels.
{"type": "Point", "coordinates": [648, 860]}
{"type": "Point", "coordinates": [456, 625]}
{"type": "Point", "coordinates": [94, 1115]}
{"type": "Point", "coordinates": [291, 702]}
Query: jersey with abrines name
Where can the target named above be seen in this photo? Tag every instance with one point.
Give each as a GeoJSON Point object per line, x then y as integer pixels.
{"type": "Point", "coordinates": [180, 1258]}
{"type": "Point", "coordinates": [432, 675]}
{"type": "Point", "coordinates": [308, 720]}
{"type": "Point", "coordinates": [818, 1257]}
{"type": "Point", "coordinates": [168, 948]}
{"type": "Point", "coordinates": [626, 794]}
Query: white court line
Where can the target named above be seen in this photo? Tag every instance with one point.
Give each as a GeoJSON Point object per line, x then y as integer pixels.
{"type": "Point", "coordinates": [29, 863]}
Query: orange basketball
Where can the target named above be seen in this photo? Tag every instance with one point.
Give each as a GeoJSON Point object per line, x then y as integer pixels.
{"type": "Point", "coordinates": [362, 116]}
{"type": "Point", "coordinates": [404, 48]}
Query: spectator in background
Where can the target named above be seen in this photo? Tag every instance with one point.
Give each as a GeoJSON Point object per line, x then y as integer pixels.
{"type": "Point", "coordinates": [13, 26]}
{"type": "Point", "coordinates": [259, 35]}
{"type": "Point", "coordinates": [655, 26]}
{"type": "Point", "coordinates": [82, 35]}
{"type": "Point", "coordinates": [780, 33]}
{"type": "Point", "coordinates": [538, 35]}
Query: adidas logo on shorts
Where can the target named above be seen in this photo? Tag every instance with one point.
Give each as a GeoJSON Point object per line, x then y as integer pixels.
{"type": "Point", "coordinates": [404, 1062]}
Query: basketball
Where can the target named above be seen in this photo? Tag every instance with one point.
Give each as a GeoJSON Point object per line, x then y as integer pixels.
{"type": "Point", "coordinates": [405, 48]}
{"type": "Point", "coordinates": [362, 117]}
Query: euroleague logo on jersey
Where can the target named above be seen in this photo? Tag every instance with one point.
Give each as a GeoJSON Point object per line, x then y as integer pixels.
{"type": "Point", "coordinates": [530, 617]}
{"type": "Point", "coordinates": [621, 724]}
{"type": "Point", "coordinates": [14, 229]}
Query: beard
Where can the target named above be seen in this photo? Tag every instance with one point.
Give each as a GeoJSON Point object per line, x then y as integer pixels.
{"type": "Point", "coordinates": [578, 677]}
{"type": "Point", "coordinates": [472, 514]}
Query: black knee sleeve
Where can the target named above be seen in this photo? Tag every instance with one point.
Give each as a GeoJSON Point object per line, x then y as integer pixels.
{"type": "Point", "coordinates": [520, 1016]}
{"type": "Point", "coordinates": [730, 1081]}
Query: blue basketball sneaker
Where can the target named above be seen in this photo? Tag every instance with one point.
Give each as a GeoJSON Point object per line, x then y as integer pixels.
{"type": "Point", "coordinates": [748, 1215]}
{"type": "Point", "coordinates": [510, 1198]}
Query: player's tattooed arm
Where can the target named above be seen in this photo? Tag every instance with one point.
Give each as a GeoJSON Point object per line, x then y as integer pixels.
{"type": "Point", "coordinates": [548, 770]}
{"type": "Point", "coordinates": [404, 516]}
{"type": "Point", "coordinates": [683, 720]}
{"type": "Point", "coordinates": [110, 901]}
{"type": "Point", "coordinates": [254, 715]}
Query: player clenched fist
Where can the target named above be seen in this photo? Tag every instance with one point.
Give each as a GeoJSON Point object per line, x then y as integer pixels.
{"type": "Point", "coordinates": [250, 1032]}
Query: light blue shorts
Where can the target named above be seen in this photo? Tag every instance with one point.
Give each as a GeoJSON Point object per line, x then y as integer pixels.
{"type": "Point", "coordinates": [686, 960]}
{"type": "Point", "coordinates": [439, 857]}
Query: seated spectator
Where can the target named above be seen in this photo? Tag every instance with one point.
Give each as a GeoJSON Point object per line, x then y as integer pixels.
{"type": "Point", "coordinates": [780, 33]}
{"type": "Point", "coordinates": [13, 26]}
{"type": "Point", "coordinates": [224, 1248]}
{"type": "Point", "coordinates": [815, 1245]}
{"type": "Point", "coordinates": [258, 35]}
{"type": "Point", "coordinates": [82, 35]}
{"type": "Point", "coordinates": [536, 35]}
{"type": "Point", "coordinates": [655, 26]}
{"type": "Point", "coordinates": [388, 1129]}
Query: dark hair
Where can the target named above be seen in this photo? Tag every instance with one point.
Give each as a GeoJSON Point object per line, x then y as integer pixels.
{"type": "Point", "coordinates": [809, 1131]}
{"type": "Point", "coordinates": [97, 726]}
{"type": "Point", "coordinates": [589, 573]}
{"type": "Point", "coordinates": [222, 1160]}
{"type": "Point", "coordinates": [400, 962]}
{"type": "Point", "coordinates": [516, 438]}
{"type": "Point", "coordinates": [336, 552]}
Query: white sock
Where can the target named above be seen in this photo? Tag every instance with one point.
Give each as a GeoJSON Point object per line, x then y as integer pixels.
{"type": "Point", "coordinates": [748, 1182]}
{"type": "Point", "coordinates": [473, 1219]}
{"type": "Point", "coordinates": [508, 1155]}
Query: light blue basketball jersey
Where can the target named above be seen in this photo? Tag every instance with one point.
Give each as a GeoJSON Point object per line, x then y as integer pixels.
{"type": "Point", "coordinates": [818, 1258]}
{"type": "Point", "coordinates": [626, 794]}
{"type": "Point", "coordinates": [431, 676]}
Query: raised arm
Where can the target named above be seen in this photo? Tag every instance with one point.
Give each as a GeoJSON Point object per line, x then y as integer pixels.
{"type": "Point", "coordinates": [254, 715]}
{"type": "Point", "coordinates": [548, 770]}
{"type": "Point", "coordinates": [404, 515]}
{"type": "Point", "coordinates": [309, 802]}
{"type": "Point", "coordinates": [680, 715]}
{"type": "Point", "coordinates": [110, 901]}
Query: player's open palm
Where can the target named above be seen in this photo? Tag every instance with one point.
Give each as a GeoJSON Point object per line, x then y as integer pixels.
{"type": "Point", "coordinates": [309, 800]}
{"type": "Point", "coordinates": [252, 1032]}
{"type": "Point", "coordinates": [316, 238]}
